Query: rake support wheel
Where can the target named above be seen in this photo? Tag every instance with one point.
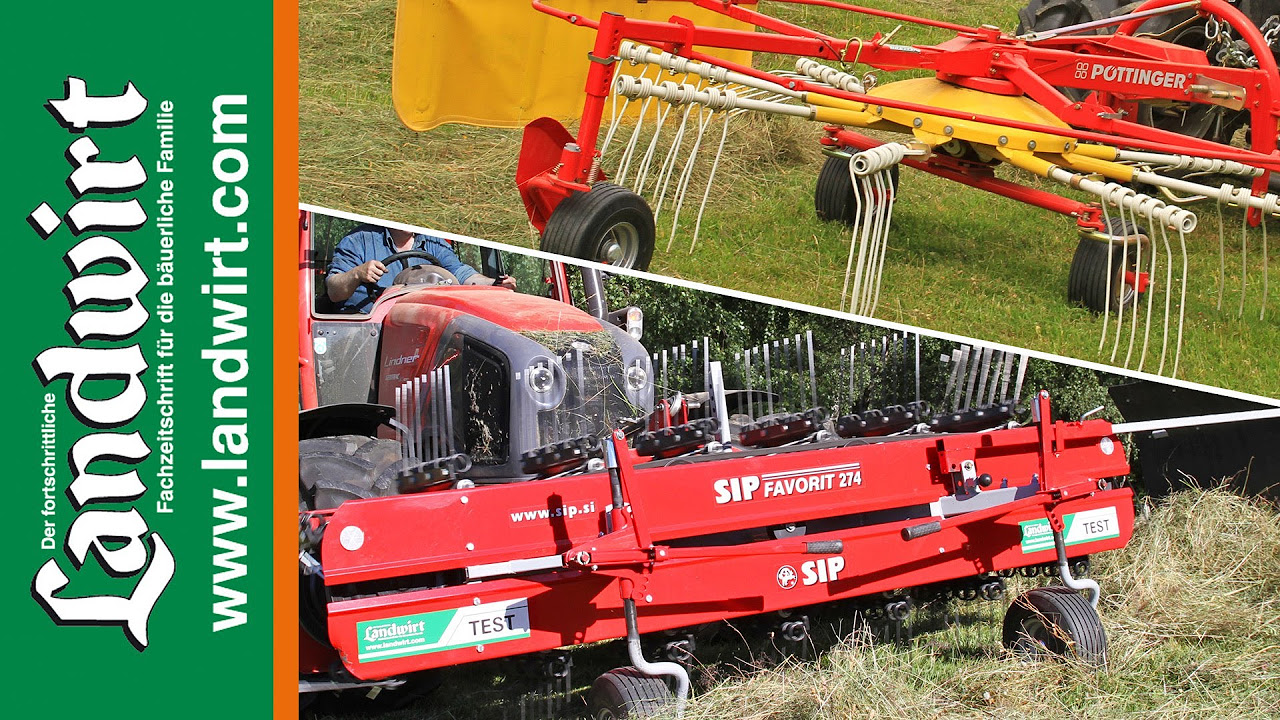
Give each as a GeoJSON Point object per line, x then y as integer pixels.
{"type": "Point", "coordinates": [1055, 622]}
{"type": "Point", "coordinates": [627, 693]}
{"type": "Point", "coordinates": [610, 224]}
{"type": "Point", "coordinates": [1087, 282]}
{"type": "Point", "coordinates": [833, 198]}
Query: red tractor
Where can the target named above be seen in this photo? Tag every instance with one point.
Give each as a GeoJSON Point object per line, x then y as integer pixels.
{"type": "Point", "coordinates": [485, 474]}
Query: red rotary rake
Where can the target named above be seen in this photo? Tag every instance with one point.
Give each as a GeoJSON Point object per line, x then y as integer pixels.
{"type": "Point", "coordinates": [518, 568]}
{"type": "Point", "coordinates": [1075, 109]}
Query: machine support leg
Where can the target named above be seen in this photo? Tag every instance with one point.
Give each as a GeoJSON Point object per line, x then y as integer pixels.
{"type": "Point", "coordinates": [671, 669]}
{"type": "Point", "coordinates": [1064, 569]}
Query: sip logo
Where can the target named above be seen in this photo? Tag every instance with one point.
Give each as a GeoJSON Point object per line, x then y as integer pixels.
{"type": "Point", "coordinates": [814, 572]}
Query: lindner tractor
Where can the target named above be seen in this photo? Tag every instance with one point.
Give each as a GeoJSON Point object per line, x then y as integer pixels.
{"type": "Point", "coordinates": [486, 474]}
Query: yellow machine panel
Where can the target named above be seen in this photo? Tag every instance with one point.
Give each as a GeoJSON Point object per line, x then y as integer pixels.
{"type": "Point", "coordinates": [501, 63]}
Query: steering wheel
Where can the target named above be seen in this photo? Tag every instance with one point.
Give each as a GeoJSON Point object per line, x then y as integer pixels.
{"type": "Point", "coordinates": [375, 290]}
{"type": "Point", "coordinates": [408, 254]}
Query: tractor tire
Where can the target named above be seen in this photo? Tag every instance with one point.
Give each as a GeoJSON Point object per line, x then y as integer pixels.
{"type": "Point", "coordinates": [610, 225]}
{"type": "Point", "coordinates": [332, 470]}
{"type": "Point", "coordinates": [1056, 622]}
{"type": "Point", "coordinates": [833, 198]}
{"type": "Point", "coordinates": [1041, 15]}
{"type": "Point", "coordinates": [627, 693]}
{"type": "Point", "coordinates": [1087, 281]}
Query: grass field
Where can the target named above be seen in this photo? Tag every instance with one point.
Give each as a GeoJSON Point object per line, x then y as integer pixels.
{"type": "Point", "coordinates": [1193, 627]}
{"type": "Point", "coordinates": [1191, 609]}
{"type": "Point", "coordinates": [959, 260]}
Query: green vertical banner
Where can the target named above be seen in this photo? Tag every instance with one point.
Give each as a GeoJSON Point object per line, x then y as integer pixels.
{"type": "Point", "coordinates": [138, 364]}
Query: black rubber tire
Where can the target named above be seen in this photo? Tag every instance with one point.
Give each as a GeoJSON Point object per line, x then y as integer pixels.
{"type": "Point", "coordinates": [585, 224]}
{"type": "Point", "coordinates": [1041, 15]}
{"type": "Point", "coordinates": [332, 470]}
{"type": "Point", "coordinates": [1087, 281]}
{"type": "Point", "coordinates": [626, 693]}
{"type": "Point", "coordinates": [1055, 622]}
{"type": "Point", "coordinates": [833, 197]}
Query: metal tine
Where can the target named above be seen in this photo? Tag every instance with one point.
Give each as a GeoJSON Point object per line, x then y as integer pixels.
{"type": "Point", "coordinates": [448, 412]}
{"type": "Point", "coordinates": [995, 378]}
{"type": "Point", "coordinates": [780, 351]}
{"type": "Point", "coordinates": [976, 359]}
{"type": "Point", "coordinates": [917, 337]}
{"type": "Point", "coordinates": [404, 451]}
{"type": "Point", "coordinates": [1022, 372]}
{"type": "Point", "coordinates": [768, 377]}
{"type": "Point", "coordinates": [917, 353]}
{"type": "Point", "coordinates": [437, 390]}
{"type": "Point", "coordinates": [986, 369]}
{"type": "Point", "coordinates": [960, 378]}
{"type": "Point", "coordinates": [429, 414]}
{"type": "Point", "coordinates": [844, 353]}
{"type": "Point", "coordinates": [417, 417]}
{"type": "Point", "coordinates": [852, 348]}
{"type": "Point", "coordinates": [1004, 382]}
{"type": "Point", "coordinates": [901, 346]}
{"type": "Point", "coordinates": [813, 375]}
{"type": "Point", "coordinates": [751, 407]}
{"type": "Point", "coordinates": [429, 401]}
{"type": "Point", "coordinates": [795, 362]}
{"type": "Point", "coordinates": [881, 387]}
{"type": "Point", "coordinates": [411, 398]}
{"type": "Point", "coordinates": [426, 399]}
{"type": "Point", "coordinates": [953, 359]}
{"type": "Point", "coordinates": [665, 387]}
{"type": "Point", "coordinates": [706, 365]}
{"type": "Point", "coordinates": [406, 419]}
{"type": "Point", "coordinates": [864, 389]}
{"type": "Point", "coordinates": [783, 354]}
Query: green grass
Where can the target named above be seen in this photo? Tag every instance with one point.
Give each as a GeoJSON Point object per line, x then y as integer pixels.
{"type": "Point", "coordinates": [1193, 626]}
{"type": "Point", "coordinates": [959, 260]}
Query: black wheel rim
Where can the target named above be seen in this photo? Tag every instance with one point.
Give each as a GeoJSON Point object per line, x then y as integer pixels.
{"type": "Point", "coordinates": [1033, 638]}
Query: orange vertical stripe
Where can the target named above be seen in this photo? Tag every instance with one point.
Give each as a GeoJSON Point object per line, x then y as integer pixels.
{"type": "Point", "coordinates": [285, 359]}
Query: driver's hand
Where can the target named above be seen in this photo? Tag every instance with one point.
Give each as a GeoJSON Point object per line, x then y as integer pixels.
{"type": "Point", "coordinates": [507, 282]}
{"type": "Point", "coordinates": [369, 272]}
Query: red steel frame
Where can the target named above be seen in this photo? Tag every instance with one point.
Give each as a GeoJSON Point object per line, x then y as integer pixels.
{"type": "Point", "coordinates": [635, 552]}
{"type": "Point", "coordinates": [983, 58]}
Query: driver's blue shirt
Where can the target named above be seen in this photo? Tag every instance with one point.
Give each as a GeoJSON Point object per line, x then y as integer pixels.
{"type": "Point", "coordinates": [370, 242]}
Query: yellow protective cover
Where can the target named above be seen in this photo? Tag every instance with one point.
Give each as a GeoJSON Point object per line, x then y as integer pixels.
{"type": "Point", "coordinates": [500, 63]}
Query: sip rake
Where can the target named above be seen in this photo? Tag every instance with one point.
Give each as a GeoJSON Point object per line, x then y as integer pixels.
{"type": "Point", "coordinates": [1058, 104]}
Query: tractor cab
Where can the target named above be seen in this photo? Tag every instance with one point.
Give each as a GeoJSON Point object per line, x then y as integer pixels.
{"type": "Point", "coordinates": [473, 382]}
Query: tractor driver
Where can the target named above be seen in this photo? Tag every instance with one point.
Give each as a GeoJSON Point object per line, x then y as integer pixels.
{"type": "Point", "coordinates": [357, 276]}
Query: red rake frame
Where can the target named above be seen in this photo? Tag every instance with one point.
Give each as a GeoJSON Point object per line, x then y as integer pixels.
{"type": "Point", "coordinates": [592, 556]}
{"type": "Point", "coordinates": [551, 169]}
